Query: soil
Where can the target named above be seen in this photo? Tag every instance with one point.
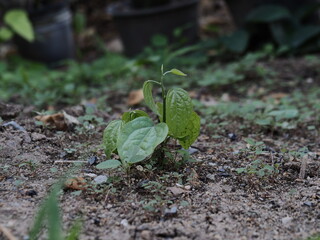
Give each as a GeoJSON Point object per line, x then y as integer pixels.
{"type": "Point", "coordinates": [203, 199]}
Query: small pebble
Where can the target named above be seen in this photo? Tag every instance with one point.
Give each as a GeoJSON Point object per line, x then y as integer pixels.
{"type": "Point", "coordinates": [211, 176]}
{"type": "Point", "coordinates": [232, 136]}
{"type": "Point", "coordinates": [92, 160]}
{"type": "Point", "coordinates": [286, 220]}
{"type": "Point", "coordinates": [124, 222]}
{"type": "Point", "coordinates": [100, 179]}
{"type": "Point", "coordinates": [31, 193]}
{"type": "Point", "coordinates": [170, 212]}
{"type": "Point", "coordinates": [308, 204]}
{"type": "Point", "coordinates": [192, 150]}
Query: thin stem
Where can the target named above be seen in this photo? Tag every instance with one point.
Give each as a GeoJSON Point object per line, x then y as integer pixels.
{"type": "Point", "coordinates": [163, 90]}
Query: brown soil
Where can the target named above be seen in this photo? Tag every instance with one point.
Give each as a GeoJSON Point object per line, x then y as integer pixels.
{"type": "Point", "coordinates": [213, 201]}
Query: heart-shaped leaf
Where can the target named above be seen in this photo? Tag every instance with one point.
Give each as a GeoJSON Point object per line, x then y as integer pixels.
{"type": "Point", "coordinates": [110, 136]}
{"type": "Point", "coordinates": [178, 111]}
{"type": "Point", "coordinates": [192, 131]}
{"type": "Point", "coordinates": [139, 138]}
{"type": "Point", "coordinates": [148, 97]}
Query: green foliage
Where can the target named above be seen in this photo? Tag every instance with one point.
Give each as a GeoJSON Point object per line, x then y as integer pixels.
{"type": "Point", "coordinates": [259, 169]}
{"type": "Point", "coordinates": [136, 137]}
{"type": "Point", "coordinates": [292, 111]}
{"type": "Point", "coordinates": [287, 29]}
{"type": "Point", "coordinates": [49, 214]}
{"type": "Point", "coordinates": [36, 84]}
{"type": "Point", "coordinates": [139, 138]}
{"type": "Point", "coordinates": [232, 72]}
{"type": "Point", "coordinates": [19, 23]}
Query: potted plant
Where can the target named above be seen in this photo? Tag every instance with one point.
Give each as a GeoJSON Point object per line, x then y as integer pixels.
{"type": "Point", "coordinates": [139, 20]}
{"type": "Point", "coordinates": [51, 21]}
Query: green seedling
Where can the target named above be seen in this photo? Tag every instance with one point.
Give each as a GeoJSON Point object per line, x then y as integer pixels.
{"type": "Point", "coordinates": [135, 137]}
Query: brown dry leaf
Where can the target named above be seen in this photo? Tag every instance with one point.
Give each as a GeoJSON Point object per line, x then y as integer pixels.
{"type": "Point", "coordinates": [135, 97]}
{"type": "Point", "coordinates": [76, 183]}
{"type": "Point", "coordinates": [277, 96]}
{"type": "Point", "coordinates": [194, 178]}
{"type": "Point", "coordinates": [54, 120]}
{"type": "Point", "coordinates": [176, 190]}
{"type": "Point", "coordinates": [61, 121]}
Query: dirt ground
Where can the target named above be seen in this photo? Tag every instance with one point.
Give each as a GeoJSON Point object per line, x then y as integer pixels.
{"type": "Point", "coordinates": [204, 199]}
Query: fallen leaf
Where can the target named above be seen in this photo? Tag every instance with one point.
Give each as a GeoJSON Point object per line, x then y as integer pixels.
{"type": "Point", "coordinates": [176, 190]}
{"type": "Point", "coordinates": [277, 96]}
{"type": "Point", "coordinates": [76, 183]}
{"type": "Point", "coordinates": [135, 97]}
{"type": "Point", "coordinates": [60, 121]}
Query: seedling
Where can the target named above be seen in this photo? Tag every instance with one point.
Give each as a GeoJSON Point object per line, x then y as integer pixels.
{"type": "Point", "coordinates": [135, 137]}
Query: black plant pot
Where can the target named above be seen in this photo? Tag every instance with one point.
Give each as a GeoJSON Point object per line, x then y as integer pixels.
{"type": "Point", "coordinates": [54, 37]}
{"type": "Point", "coordinates": [239, 9]}
{"type": "Point", "coordinates": [148, 3]}
{"type": "Point", "coordinates": [137, 26]}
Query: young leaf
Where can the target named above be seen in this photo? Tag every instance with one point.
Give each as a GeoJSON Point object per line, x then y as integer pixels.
{"type": "Point", "coordinates": [177, 72]}
{"type": "Point", "coordinates": [139, 138]}
{"type": "Point", "coordinates": [110, 136]}
{"type": "Point", "coordinates": [178, 111]}
{"type": "Point", "coordinates": [109, 164]}
{"type": "Point", "coordinates": [192, 131]}
{"type": "Point", "coordinates": [148, 98]}
{"type": "Point", "coordinates": [129, 116]}
{"type": "Point", "coordinates": [20, 23]}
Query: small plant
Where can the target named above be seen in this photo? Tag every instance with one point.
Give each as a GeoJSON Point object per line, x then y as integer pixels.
{"type": "Point", "coordinates": [135, 137]}
{"type": "Point", "coordinates": [49, 213]}
{"type": "Point", "coordinates": [260, 169]}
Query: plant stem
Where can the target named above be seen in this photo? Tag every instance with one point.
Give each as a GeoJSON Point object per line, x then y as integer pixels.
{"type": "Point", "coordinates": [163, 90]}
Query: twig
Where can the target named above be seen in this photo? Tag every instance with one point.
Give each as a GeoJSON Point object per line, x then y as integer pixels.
{"type": "Point", "coordinates": [6, 232]}
{"type": "Point", "coordinates": [303, 167]}
{"type": "Point", "coordinates": [69, 161]}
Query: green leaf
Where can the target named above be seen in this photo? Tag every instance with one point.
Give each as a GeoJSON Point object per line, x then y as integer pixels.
{"type": "Point", "coordinates": [241, 170]}
{"type": "Point", "coordinates": [74, 231]}
{"type": "Point", "coordinates": [284, 114]}
{"type": "Point", "coordinates": [129, 116]}
{"type": "Point", "coordinates": [53, 217]}
{"type": "Point", "coordinates": [109, 164]}
{"type": "Point", "coordinates": [5, 34]}
{"type": "Point", "coordinates": [237, 41]}
{"type": "Point", "coordinates": [148, 98]}
{"type": "Point", "coordinates": [110, 136]}
{"type": "Point", "coordinates": [303, 34]}
{"type": "Point", "coordinates": [268, 13]}
{"type": "Point", "coordinates": [139, 138]}
{"type": "Point", "coordinates": [178, 111]}
{"type": "Point", "coordinates": [20, 23]}
{"type": "Point", "coordinates": [177, 72]}
{"type": "Point", "coordinates": [192, 131]}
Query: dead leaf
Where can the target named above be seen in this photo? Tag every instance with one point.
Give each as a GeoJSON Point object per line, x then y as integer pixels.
{"type": "Point", "coordinates": [194, 178]}
{"type": "Point", "coordinates": [176, 190]}
{"type": "Point", "coordinates": [135, 97]}
{"type": "Point", "coordinates": [76, 183]}
{"type": "Point", "coordinates": [276, 96]}
{"type": "Point", "coordinates": [60, 121]}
